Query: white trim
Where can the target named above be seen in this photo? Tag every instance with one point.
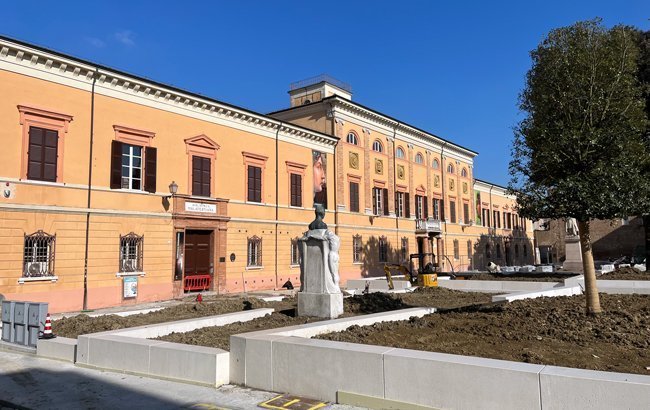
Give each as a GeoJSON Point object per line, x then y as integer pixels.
{"type": "Point", "coordinates": [122, 274]}
{"type": "Point", "coordinates": [23, 280]}
{"type": "Point", "coordinates": [67, 209]}
{"type": "Point", "coordinates": [254, 267]}
{"type": "Point", "coordinates": [65, 71]}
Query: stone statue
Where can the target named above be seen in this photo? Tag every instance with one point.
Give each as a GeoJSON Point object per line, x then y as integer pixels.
{"type": "Point", "coordinates": [318, 223]}
{"type": "Point", "coordinates": [319, 294]}
{"type": "Point", "coordinates": [572, 227]}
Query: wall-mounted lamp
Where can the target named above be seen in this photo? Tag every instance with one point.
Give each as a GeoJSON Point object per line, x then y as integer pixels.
{"type": "Point", "coordinates": [173, 188]}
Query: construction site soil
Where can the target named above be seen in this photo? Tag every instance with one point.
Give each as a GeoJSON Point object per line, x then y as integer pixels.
{"type": "Point", "coordinates": [283, 316]}
{"type": "Point", "coordinates": [552, 331]}
{"type": "Point", "coordinates": [626, 273]}
{"type": "Point", "coordinates": [356, 305]}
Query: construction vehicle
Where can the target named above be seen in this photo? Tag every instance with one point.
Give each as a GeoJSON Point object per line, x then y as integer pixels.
{"type": "Point", "coordinates": [425, 276]}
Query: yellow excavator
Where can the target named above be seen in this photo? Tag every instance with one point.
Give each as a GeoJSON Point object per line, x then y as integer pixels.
{"type": "Point", "coordinates": [426, 276]}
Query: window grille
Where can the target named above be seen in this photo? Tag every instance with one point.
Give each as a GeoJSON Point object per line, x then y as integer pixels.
{"type": "Point", "coordinates": [254, 251]}
{"type": "Point", "coordinates": [356, 248]}
{"type": "Point", "coordinates": [131, 252]}
{"type": "Point", "coordinates": [383, 249]}
{"type": "Point", "coordinates": [38, 255]}
{"type": "Point", "coordinates": [405, 249]}
{"type": "Point", "coordinates": [295, 253]}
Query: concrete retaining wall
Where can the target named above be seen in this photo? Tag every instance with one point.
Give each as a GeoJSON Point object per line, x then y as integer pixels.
{"type": "Point", "coordinates": [563, 291]}
{"type": "Point", "coordinates": [284, 360]}
{"type": "Point", "coordinates": [61, 348]}
{"type": "Point", "coordinates": [496, 286]}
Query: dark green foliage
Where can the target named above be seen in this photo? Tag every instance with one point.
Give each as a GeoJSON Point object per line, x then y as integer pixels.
{"type": "Point", "coordinates": [580, 151]}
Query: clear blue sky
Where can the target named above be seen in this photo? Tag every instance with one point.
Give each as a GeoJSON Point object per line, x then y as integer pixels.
{"type": "Point", "coordinates": [453, 69]}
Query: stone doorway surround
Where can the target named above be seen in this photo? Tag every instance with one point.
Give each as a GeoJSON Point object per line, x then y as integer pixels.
{"type": "Point", "coordinates": [191, 213]}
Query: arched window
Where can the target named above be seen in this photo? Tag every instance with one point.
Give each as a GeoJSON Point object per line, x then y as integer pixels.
{"type": "Point", "coordinates": [419, 158]}
{"type": "Point", "coordinates": [352, 138]}
{"type": "Point", "coordinates": [450, 169]}
{"type": "Point", "coordinates": [377, 147]}
{"type": "Point", "coordinates": [463, 173]}
{"type": "Point", "coordinates": [400, 152]}
{"type": "Point", "coordinates": [436, 164]}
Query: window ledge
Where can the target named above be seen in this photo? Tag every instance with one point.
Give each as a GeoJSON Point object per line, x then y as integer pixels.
{"type": "Point", "coordinates": [38, 279]}
{"type": "Point", "coordinates": [294, 266]}
{"type": "Point", "coordinates": [121, 274]}
{"type": "Point", "coordinates": [254, 267]}
{"type": "Point", "coordinates": [357, 263]}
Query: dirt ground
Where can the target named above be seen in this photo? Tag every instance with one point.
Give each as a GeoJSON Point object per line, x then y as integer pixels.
{"type": "Point", "coordinates": [552, 331]}
{"type": "Point", "coordinates": [215, 305]}
{"type": "Point", "coordinates": [359, 304]}
{"type": "Point", "coordinates": [625, 274]}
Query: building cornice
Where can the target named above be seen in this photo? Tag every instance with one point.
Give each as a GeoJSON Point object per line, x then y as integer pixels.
{"type": "Point", "coordinates": [59, 68]}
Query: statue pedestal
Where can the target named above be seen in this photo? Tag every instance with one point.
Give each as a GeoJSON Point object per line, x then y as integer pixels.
{"type": "Point", "coordinates": [319, 295]}
{"type": "Point", "coordinates": [573, 261]}
{"type": "Point", "coordinates": [329, 305]}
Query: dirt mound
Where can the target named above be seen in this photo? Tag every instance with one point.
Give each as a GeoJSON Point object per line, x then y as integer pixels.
{"type": "Point", "coordinates": [372, 303]}
{"type": "Point", "coordinates": [443, 298]}
{"type": "Point", "coordinates": [84, 324]}
{"type": "Point", "coordinates": [627, 273]}
{"type": "Point", "coordinates": [553, 331]}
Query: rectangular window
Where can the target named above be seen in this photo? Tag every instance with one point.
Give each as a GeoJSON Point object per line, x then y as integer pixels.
{"type": "Point", "coordinates": [495, 218]}
{"type": "Point", "coordinates": [254, 184]}
{"type": "Point", "coordinates": [201, 176]}
{"type": "Point", "coordinates": [452, 211]}
{"type": "Point", "coordinates": [405, 249]}
{"type": "Point", "coordinates": [466, 213]}
{"type": "Point", "coordinates": [486, 217]}
{"type": "Point", "coordinates": [419, 207]}
{"type": "Point", "coordinates": [399, 204]}
{"type": "Point", "coordinates": [38, 255]}
{"type": "Point", "coordinates": [356, 248]}
{"type": "Point", "coordinates": [295, 252]}
{"type": "Point", "coordinates": [436, 208]}
{"type": "Point", "coordinates": [377, 201]}
{"type": "Point", "coordinates": [131, 167]}
{"type": "Point", "coordinates": [254, 252]}
{"type": "Point", "coordinates": [469, 251]}
{"type": "Point", "coordinates": [442, 210]}
{"type": "Point", "coordinates": [296, 190]}
{"type": "Point", "coordinates": [131, 253]}
{"type": "Point", "coordinates": [383, 249]}
{"type": "Point", "coordinates": [354, 197]}
{"type": "Point", "coordinates": [42, 154]}
{"type": "Point", "coordinates": [456, 249]}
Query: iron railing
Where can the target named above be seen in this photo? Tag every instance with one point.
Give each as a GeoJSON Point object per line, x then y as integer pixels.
{"type": "Point", "coordinates": [319, 79]}
{"type": "Point", "coordinates": [131, 252]}
{"type": "Point", "coordinates": [38, 255]}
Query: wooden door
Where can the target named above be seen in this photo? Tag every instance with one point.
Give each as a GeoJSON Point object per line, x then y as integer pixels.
{"type": "Point", "coordinates": [197, 253]}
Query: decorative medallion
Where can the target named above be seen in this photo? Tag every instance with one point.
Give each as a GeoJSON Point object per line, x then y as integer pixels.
{"type": "Point", "coordinates": [354, 160]}
{"type": "Point", "coordinates": [464, 187]}
{"type": "Point", "coordinates": [451, 184]}
{"type": "Point", "coordinates": [400, 172]}
{"type": "Point", "coordinates": [436, 181]}
{"type": "Point", "coordinates": [379, 166]}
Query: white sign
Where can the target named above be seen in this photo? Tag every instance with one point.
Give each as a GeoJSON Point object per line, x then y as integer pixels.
{"type": "Point", "coordinates": [198, 207]}
{"type": "Point", "coordinates": [130, 286]}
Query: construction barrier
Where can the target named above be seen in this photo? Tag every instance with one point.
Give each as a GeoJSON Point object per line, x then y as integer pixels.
{"type": "Point", "coordinates": [197, 282]}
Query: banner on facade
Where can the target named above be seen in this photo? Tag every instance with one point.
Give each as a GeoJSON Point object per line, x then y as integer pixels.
{"type": "Point", "coordinates": [477, 202]}
{"type": "Point", "coordinates": [319, 161]}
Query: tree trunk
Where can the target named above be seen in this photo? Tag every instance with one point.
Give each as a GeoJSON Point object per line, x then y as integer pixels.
{"type": "Point", "coordinates": [646, 225]}
{"type": "Point", "coordinates": [591, 291]}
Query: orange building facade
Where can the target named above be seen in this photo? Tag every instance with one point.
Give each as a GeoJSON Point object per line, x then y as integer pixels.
{"type": "Point", "coordinates": [118, 190]}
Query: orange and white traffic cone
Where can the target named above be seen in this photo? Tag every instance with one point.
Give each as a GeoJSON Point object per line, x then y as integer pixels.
{"type": "Point", "coordinates": [47, 332]}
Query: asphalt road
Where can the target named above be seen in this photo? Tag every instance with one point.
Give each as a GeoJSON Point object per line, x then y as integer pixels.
{"type": "Point", "coordinates": [27, 381]}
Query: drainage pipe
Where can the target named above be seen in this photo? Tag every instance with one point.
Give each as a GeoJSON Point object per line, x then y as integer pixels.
{"type": "Point", "coordinates": [90, 180]}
